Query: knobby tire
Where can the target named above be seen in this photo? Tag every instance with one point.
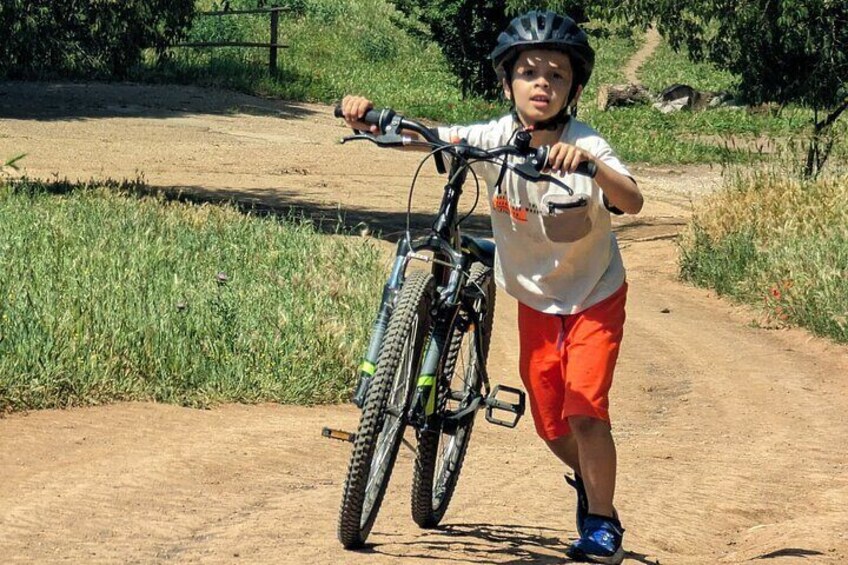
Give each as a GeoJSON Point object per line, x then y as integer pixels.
{"type": "Point", "coordinates": [434, 483]}
{"type": "Point", "coordinates": [381, 426]}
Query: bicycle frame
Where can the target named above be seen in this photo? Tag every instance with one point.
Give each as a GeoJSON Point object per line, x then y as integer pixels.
{"type": "Point", "coordinates": [451, 257]}
{"type": "Point", "coordinates": [449, 267]}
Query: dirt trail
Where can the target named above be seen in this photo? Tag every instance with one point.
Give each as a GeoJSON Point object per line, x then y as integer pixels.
{"type": "Point", "coordinates": [731, 437]}
{"type": "Point", "coordinates": [631, 69]}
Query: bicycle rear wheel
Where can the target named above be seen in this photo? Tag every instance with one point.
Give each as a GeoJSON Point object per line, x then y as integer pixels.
{"type": "Point", "coordinates": [441, 452]}
{"type": "Point", "coordinates": [383, 419]}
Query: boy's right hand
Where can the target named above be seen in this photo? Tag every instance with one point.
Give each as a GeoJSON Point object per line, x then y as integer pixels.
{"type": "Point", "coordinates": [354, 108]}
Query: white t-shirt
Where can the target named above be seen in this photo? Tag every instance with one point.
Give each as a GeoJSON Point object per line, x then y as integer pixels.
{"type": "Point", "coordinates": [551, 277]}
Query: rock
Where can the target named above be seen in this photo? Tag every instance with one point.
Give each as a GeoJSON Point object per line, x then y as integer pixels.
{"type": "Point", "coordinates": [673, 105]}
{"type": "Point", "coordinates": [683, 97]}
{"type": "Point", "coordinates": [676, 92]}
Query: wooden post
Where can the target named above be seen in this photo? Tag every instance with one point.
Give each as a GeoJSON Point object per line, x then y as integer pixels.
{"type": "Point", "coordinates": [275, 27]}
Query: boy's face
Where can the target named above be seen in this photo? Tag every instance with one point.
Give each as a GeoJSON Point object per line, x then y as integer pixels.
{"type": "Point", "coordinates": [541, 82]}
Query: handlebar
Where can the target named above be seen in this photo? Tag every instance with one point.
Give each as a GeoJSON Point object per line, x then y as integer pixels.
{"type": "Point", "coordinates": [391, 124]}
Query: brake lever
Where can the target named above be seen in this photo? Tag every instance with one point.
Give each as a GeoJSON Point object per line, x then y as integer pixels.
{"type": "Point", "coordinates": [526, 171]}
{"type": "Point", "coordinates": [385, 140]}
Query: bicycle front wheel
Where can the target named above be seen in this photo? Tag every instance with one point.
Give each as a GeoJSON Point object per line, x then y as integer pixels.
{"type": "Point", "coordinates": [383, 419]}
{"type": "Point", "coordinates": [441, 452]}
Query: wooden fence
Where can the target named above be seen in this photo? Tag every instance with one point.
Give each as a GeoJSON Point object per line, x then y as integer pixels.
{"type": "Point", "coordinates": [272, 46]}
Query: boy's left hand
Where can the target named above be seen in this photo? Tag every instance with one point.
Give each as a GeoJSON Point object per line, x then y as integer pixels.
{"type": "Point", "coordinates": [564, 157]}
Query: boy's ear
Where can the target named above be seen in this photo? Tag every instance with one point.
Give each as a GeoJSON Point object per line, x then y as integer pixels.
{"type": "Point", "coordinates": [507, 90]}
{"type": "Point", "coordinates": [577, 96]}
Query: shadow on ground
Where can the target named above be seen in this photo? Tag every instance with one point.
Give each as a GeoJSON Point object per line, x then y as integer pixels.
{"type": "Point", "coordinates": [352, 220]}
{"type": "Point", "coordinates": [285, 205]}
{"type": "Point", "coordinates": [388, 226]}
{"type": "Point", "coordinates": [790, 552]}
{"type": "Point", "coordinates": [517, 544]}
{"type": "Point", "coordinates": [55, 101]}
{"type": "Point", "coordinates": [290, 204]}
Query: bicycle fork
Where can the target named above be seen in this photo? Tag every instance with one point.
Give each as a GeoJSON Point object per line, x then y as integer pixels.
{"type": "Point", "coordinates": [423, 405]}
{"type": "Point", "coordinates": [390, 291]}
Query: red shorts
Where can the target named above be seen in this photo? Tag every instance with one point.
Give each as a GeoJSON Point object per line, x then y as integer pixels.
{"type": "Point", "coordinates": [567, 362]}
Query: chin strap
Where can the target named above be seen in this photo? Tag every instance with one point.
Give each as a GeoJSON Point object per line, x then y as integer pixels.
{"type": "Point", "coordinates": [560, 119]}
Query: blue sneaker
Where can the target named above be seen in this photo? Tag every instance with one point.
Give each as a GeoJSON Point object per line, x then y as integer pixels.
{"type": "Point", "coordinates": [600, 541]}
{"type": "Point", "coordinates": [582, 500]}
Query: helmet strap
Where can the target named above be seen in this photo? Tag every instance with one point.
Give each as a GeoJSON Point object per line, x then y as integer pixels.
{"type": "Point", "coordinates": [560, 119]}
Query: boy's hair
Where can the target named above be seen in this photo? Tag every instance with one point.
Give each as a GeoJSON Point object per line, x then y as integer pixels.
{"type": "Point", "coordinates": [545, 30]}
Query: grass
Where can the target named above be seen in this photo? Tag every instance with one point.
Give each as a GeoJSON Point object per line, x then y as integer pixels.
{"type": "Point", "coordinates": [667, 67]}
{"type": "Point", "coordinates": [349, 46]}
{"type": "Point", "coordinates": [369, 53]}
{"type": "Point", "coordinates": [106, 296]}
{"type": "Point", "coordinates": [783, 131]}
{"type": "Point", "coordinates": [770, 239]}
{"type": "Point", "coordinates": [337, 47]}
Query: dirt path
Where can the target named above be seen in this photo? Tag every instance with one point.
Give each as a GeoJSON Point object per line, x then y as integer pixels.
{"type": "Point", "coordinates": [631, 69]}
{"type": "Point", "coordinates": [731, 438]}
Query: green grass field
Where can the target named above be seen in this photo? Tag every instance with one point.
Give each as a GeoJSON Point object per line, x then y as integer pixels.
{"type": "Point", "coordinates": [110, 296]}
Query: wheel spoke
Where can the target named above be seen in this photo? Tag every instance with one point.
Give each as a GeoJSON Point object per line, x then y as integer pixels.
{"type": "Point", "coordinates": [441, 454]}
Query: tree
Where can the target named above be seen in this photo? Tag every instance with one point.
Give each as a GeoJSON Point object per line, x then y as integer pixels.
{"type": "Point", "coordinates": [88, 37]}
{"type": "Point", "coordinates": [782, 50]}
{"type": "Point", "coordinates": [575, 9]}
{"type": "Point", "coordinates": [467, 30]}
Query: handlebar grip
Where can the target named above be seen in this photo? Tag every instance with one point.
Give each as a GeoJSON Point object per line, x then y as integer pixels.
{"type": "Point", "coordinates": [540, 161]}
{"type": "Point", "coordinates": [381, 118]}
{"type": "Point", "coordinates": [587, 168]}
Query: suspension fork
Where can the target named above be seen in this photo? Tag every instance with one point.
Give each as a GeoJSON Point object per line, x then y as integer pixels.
{"type": "Point", "coordinates": [477, 322]}
{"type": "Point", "coordinates": [378, 331]}
{"type": "Point", "coordinates": [422, 410]}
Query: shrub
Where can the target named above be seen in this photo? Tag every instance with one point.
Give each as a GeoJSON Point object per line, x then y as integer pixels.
{"type": "Point", "coordinates": [88, 38]}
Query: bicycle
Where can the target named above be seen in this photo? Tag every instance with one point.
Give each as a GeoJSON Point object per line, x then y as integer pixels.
{"type": "Point", "coordinates": [425, 365]}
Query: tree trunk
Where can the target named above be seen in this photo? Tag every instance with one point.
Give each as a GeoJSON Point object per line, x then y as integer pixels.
{"type": "Point", "coordinates": [816, 154]}
{"type": "Point", "coordinates": [610, 95]}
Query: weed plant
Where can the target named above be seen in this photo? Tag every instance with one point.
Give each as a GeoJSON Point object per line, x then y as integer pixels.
{"type": "Point", "coordinates": [772, 239]}
{"type": "Point", "coordinates": [105, 297]}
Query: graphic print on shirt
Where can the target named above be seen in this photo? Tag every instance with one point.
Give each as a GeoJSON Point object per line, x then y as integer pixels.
{"type": "Point", "coordinates": [501, 204]}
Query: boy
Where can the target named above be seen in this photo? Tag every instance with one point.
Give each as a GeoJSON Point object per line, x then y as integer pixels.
{"type": "Point", "coordinates": [571, 290]}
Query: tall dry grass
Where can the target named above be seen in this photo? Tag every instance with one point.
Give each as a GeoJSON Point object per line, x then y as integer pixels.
{"type": "Point", "coordinates": [773, 239]}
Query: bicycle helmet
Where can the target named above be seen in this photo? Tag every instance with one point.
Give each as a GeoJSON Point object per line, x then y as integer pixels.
{"type": "Point", "coordinates": [545, 30]}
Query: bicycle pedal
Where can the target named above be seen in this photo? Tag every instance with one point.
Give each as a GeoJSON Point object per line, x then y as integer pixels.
{"type": "Point", "coordinates": [515, 408]}
{"type": "Point", "coordinates": [338, 434]}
